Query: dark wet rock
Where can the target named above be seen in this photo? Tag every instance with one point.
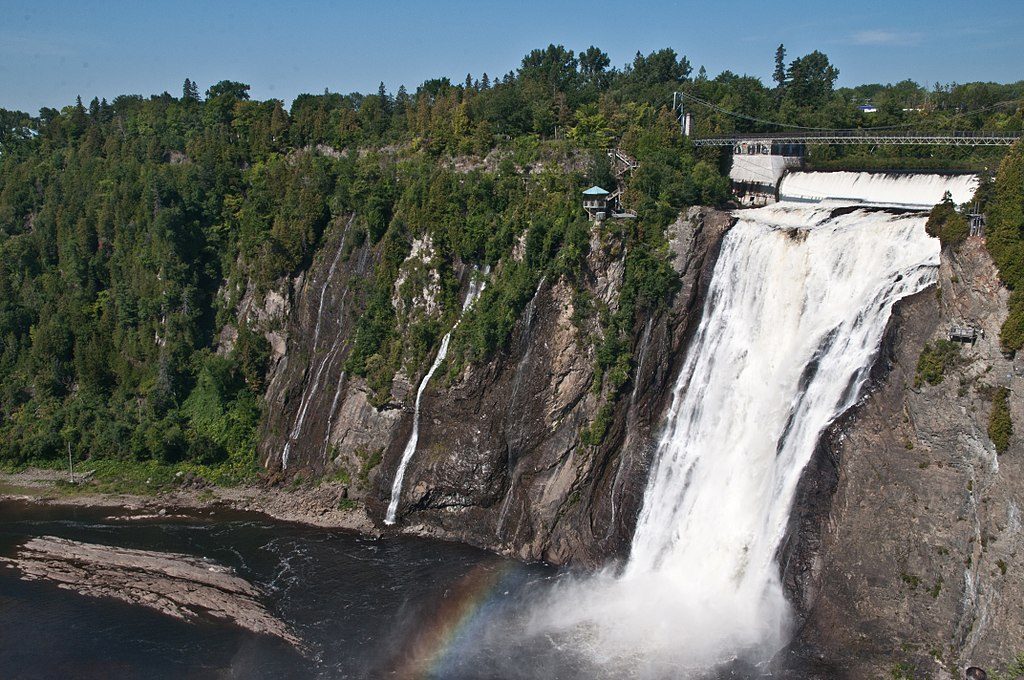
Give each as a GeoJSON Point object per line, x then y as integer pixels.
{"type": "Point", "coordinates": [500, 461]}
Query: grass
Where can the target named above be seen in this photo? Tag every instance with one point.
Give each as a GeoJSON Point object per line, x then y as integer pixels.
{"type": "Point", "coordinates": [348, 504]}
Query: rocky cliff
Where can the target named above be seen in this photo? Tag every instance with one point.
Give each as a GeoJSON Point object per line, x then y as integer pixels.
{"type": "Point", "coordinates": [905, 550]}
{"type": "Point", "coordinates": [903, 553]}
{"type": "Point", "coordinates": [501, 460]}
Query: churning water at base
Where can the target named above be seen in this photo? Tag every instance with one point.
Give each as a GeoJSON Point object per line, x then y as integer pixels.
{"type": "Point", "coordinates": [794, 316]}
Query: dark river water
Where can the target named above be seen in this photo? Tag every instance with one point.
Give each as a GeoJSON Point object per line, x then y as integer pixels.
{"type": "Point", "coordinates": [395, 607]}
{"type": "Point", "coordinates": [367, 608]}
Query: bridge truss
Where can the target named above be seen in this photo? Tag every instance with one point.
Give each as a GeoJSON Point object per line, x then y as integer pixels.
{"type": "Point", "coordinates": [888, 137]}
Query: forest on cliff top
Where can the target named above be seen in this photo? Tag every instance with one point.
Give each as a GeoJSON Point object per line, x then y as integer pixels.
{"type": "Point", "coordinates": [130, 229]}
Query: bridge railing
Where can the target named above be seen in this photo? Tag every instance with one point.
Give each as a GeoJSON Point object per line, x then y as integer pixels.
{"type": "Point", "coordinates": [953, 138]}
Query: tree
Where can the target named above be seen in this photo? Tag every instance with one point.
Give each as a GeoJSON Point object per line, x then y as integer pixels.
{"type": "Point", "coordinates": [553, 66]}
{"type": "Point", "coordinates": [811, 79]}
{"type": "Point", "coordinates": [229, 89]}
{"type": "Point", "coordinates": [591, 130]}
{"type": "Point", "coordinates": [15, 129]}
{"type": "Point", "coordinates": [662, 66]}
{"type": "Point", "coordinates": [593, 66]}
{"type": "Point", "coordinates": [1005, 240]}
{"type": "Point", "coordinates": [189, 91]}
{"type": "Point", "coordinates": [780, 68]}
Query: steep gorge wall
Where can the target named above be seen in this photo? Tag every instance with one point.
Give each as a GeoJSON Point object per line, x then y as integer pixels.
{"type": "Point", "coordinates": [501, 462]}
{"type": "Point", "coordinates": [907, 542]}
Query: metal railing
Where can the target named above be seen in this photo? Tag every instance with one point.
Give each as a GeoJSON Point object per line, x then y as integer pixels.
{"type": "Point", "coordinates": [955, 138]}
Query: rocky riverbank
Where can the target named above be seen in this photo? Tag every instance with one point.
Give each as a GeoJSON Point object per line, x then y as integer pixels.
{"type": "Point", "coordinates": [322, 504]}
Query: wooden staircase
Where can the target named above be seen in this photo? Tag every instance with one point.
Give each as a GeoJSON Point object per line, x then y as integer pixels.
{"type": "Point", "coordinates": [622, 164]}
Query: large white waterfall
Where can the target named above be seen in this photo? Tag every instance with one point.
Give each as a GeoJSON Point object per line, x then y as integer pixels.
{"type": "Point", "coordinates": [476, 287]}
{"type": "Point", "coordinates": [794, 316]}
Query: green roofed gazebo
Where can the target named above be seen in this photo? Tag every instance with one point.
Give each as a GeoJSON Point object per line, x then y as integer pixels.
{"type": "Point", "coordinates": [595, 202]}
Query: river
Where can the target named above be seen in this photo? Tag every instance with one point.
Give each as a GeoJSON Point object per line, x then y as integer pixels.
{"type": "Point", "coordinates": [390, 607]}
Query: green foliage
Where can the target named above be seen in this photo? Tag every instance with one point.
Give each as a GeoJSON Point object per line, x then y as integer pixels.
{"type": "Point", "coordinates": [911, 580]}
{"type": "Point", "coordinates": [594, 434]}
{"type": "Point", "coordinates": [809, 79]}
{"type": "Point", "coordinates": [1000, 424]}
{"type": "Point", "coordinates": [935, 360]}
{"type": "Point", "coordinates": [348, 504]}
{"type": "Point", "coordinates": [1005, 240]}
{"type": "Point", "coordinates": [1013, 670]}
{"type": "Point", "coordinates": [946, 224]}
{"type": "Point", "coordinates": [131, 230]}
{"type": "Point", "coordinates": [368, 461]}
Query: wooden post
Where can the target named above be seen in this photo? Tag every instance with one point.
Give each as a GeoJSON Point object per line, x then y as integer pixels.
{"type": "Point", "coordinates": [71, 464]}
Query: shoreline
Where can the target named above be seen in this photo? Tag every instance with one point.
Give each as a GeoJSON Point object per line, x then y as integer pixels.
{"type": "Point", "coordinates": [317, 505]}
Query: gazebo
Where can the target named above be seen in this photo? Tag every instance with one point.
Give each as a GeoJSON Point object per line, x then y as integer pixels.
{"type": "Point", "coordinates": [595, 202]}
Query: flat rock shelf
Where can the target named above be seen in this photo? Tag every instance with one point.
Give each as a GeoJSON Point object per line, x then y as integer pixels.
{"type": "Point", "coordinates": [177, 585]}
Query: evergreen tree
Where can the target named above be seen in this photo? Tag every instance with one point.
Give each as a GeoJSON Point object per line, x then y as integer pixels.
{"type": "Point", "coordinates": [189, 91]}
{"type": "Point", "coordinates": [593, 66]}
{"type": "Point", "coordinates": [779, 76]}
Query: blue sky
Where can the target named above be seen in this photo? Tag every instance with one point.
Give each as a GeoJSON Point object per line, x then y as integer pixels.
{"type": "Point", "coordinates": [50, 51]}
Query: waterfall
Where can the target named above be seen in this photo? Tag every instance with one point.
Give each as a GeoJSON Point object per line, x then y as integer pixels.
{"type": "Point", "coordinates": [905, 191]}
{"type": "Point", "coordinates": [792, 322]}
{"type": "Point", "coordinates": [476, 287]}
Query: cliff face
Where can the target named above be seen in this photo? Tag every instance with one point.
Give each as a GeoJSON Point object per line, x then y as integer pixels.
{"type": "Point", "coordinates": [906, 537]}
{"type": "Point", "coordinates": [500, 461]}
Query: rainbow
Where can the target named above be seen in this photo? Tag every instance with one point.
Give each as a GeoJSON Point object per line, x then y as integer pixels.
{"type": "Point", "coordinates": [460, 609]}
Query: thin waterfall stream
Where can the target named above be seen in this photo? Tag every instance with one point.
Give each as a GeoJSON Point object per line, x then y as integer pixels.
{"type": "Point", "coordinates": [476, 287]}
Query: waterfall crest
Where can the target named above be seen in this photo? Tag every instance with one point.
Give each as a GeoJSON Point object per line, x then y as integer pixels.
{"type": "Point", "coordinates": [793, 319]}
{"type": "Point", "coordinates": [921, 190]}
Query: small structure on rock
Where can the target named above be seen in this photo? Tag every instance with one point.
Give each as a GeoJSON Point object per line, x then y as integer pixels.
{"type": "Point", "coordinates": [963, 332]}
{"type": "Point", "coordinates": [601, 203]}
{"type": "Point", "coordinates": [595, 202]}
